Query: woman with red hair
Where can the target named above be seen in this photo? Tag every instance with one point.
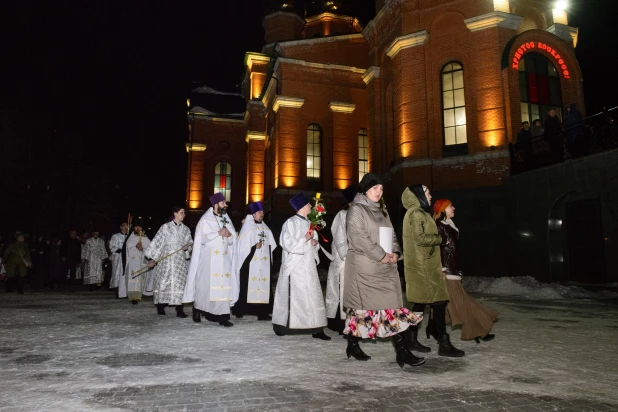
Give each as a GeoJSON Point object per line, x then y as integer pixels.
{"type": "Point", "coordinates": [476, 319]}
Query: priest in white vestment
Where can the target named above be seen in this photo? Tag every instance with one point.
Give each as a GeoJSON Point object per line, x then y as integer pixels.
{"type": "Point", "coordinates": [253, 264]}
{"type": "Point", "coordinates": [115, 246]}
{"type": "Point", "coordinates": [212, 285]}
{"type": "Point", "coordinates": [132, 287]}
{"type": "Point", "coordinates": [299, 303]}
{"type": "Point", "coordinates": [334, 284]}
{"type": "Point", "coordinates": [93, 254]}
{"type": "Point", "coordinates": [169, 251]}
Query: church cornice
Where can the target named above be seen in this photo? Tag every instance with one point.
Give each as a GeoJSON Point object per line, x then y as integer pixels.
{"type": "Point", "coordinates": [287, 101]}
{"type": "Point", "coordinates": [251, 58]}
{"type": "Point", "coordinates": [569, 34]}
{"type": "Point", "coordinates": [279, 46]}
{"type": "Point", "coordinates": [342, 107]}
{"type": "Point", "coordinates": [253, 135]}
{"type": "Point", "coordinates": [371, 73]}
{"type": "Point", "coordinates": [323, 66]}
{"type": "Point", "coordinates": [494, 19]}
{"type": "Point", "coordinates": [404, 42]}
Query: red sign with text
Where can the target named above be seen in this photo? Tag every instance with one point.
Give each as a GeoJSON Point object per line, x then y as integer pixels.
{"type": "Point", "coordinates": [519, 53]}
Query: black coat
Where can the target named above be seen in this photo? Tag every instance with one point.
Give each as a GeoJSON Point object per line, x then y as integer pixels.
{"type": "Point", "coordinates": [449, 248]}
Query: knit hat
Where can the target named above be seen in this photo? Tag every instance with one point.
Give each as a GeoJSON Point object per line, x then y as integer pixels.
{"type": "Point", "coordinates": [440, 206]}
{"type": "Point", "coordinates": [216, 198]}
{"type": "Point", "coordinates": [350, 193]}
{"type": "Point", "coordinates": [299, 201]}
{"type": "Point", "coordinates": [256, 207]}
{"type": "Point", "coordinates": [368, 181]}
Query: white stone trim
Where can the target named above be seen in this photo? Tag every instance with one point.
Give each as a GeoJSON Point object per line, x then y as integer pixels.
{"type": "Point", "coordinates": [317, 65]}
{"type": "Point", "coordinates": [305, 42]}
{"type": "Point", "coordinates": [494, 19]}
{"type": "Point", "coordinates": [418, 38]}
{"type": "Point", "coordinates": [569, 34]}
{"type": "Point", "coordinates": [227, 120]}
{"type": "Point", "coordinates": [371, 73]}
{"type": "Point", "coordinates": [195, 147]}
{"type": "Point", "coordinates": [342, 107]}
{"type": "Point", "coordinates": [287, 101]}
{"type": "Point", "coordinates": [253, 135]}
{"type": "Point", "coordinates": [251, 57]}
{"type": "Point", "coordinates": [328, 16]}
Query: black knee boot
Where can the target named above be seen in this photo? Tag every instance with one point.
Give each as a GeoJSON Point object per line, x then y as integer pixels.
{"type": "Point", "coordinates": [404, 356]}
{"type": "Point", "coordinates": [160, 308]}
{"type": "Point", "coordinates": [197, 315]}
{"type": "Point", "coordinates": [447, 349]}
{"type": "Point", "coordinates": [354, 349]}
{"type": "Point", "coordinates": [412, 340]}
{"type": "Point", "coordinates": [180, 313]}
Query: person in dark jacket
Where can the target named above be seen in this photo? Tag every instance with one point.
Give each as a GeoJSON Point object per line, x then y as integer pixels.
{"type": "Point", "coordinates": [553, 130]}
{"type": "Point", "coordinates": [537, 128]}
{"type": "Point", "coordinates": [476, 319]}
{"type": "Point", "coordinates": [572, 129]}
{"type": "Point", "coordinates": [71, 253]}
{"type": "Point", "coordinates": [524, 141]}
{"type": "Point", "coordinates": [425, 284]}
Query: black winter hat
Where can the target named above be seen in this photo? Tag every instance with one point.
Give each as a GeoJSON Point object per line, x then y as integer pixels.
{"type": "Point", "coordinates": [368, 181]}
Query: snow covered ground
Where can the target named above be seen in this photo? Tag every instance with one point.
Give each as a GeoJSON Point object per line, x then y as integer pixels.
{"type": "Point", "coordinates": [555, 349]}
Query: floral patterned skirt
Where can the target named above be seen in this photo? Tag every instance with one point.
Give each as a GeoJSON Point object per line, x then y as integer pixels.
{"type": "Point", "coordinates": [371, 324]}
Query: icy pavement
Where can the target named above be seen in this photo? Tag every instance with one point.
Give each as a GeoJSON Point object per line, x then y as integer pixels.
{"type": "Point", "coordinates": [88, 351]}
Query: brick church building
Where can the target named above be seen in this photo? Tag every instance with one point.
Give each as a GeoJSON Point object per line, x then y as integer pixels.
{"type": "Point", "coordinates": [427, 92]}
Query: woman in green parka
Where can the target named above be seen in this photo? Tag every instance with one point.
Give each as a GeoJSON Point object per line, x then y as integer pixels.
{"type": "Point", "coordinates": [17, 260]}
{"type": "Point", "coordinates": [425, 283]}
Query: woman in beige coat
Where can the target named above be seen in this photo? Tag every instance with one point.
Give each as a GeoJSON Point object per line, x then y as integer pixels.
{"type": "Point", "coordinates": [372, 290]}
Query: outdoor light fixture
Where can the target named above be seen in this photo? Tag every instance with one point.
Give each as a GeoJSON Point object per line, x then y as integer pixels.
{"type": "Point", "coordinates": [554, 223]}
{"type": "Point", "coordinates": [559, 12]}
{"type": "Point", "coordinates": [526, 234]}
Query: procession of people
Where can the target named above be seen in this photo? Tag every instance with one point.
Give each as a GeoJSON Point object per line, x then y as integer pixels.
{"type": "Point", "coordinates": [221, 272]}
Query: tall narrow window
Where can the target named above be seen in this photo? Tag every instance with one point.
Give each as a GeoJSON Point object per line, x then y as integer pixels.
{"type": "Point", "coordinates": [363, 148]}
{"type": "Point", "coordinates": [454, 109]}
{"type": "Point", "coordinates": [539, 87]}
{"type": "Point", "coordinates": [314, 152]}
{"type": "Point", "coordinates": [223, 179]}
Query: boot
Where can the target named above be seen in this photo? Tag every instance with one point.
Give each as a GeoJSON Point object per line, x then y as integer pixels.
{"type": "Point", "coordinates": [431, 330]}
{"type": "Point", "coordinates": [404, 356]}
{"type": "Point", "coordinates": [197, 316]}
{"type": "Point", "coordinates": [412, 340]}
{"type": "Point", "coordinates": [354, 349]}
{"type": "Point", "coordinates": [321, 335]}
{"type": "Point", "coordinates": [447, 349]}
{"type": "Point", "coordinates": [160, 310]}
{"type": "Point", "coordinates": [226, 323]}
{"type": "Point", "coordinates": [180, 313]}
{"type": "Point", "coordinates": [486, 338]}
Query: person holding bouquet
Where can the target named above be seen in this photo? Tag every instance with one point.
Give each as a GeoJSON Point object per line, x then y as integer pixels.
{"type": "Point", "coordinates": [299, 305]}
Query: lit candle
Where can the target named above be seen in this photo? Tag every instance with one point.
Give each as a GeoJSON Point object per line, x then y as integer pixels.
{"type": "Point", "coordinates": [317, 195]}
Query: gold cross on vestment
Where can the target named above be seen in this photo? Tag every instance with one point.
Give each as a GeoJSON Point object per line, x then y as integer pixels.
{"type": "Point", "coordinates": [217, 252]}
{"type": "Point", "coordinates": [227, 275]}
{"type": "Point", "coordinates": [264, 258]}
{"type": "Point", "coordinates": [254, 278]}
{"type": "Point", "coordinates": [217, 275]}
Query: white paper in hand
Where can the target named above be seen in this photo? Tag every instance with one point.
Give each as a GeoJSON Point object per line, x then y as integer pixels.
{"type": "Point", "coordinates": [386, 239]}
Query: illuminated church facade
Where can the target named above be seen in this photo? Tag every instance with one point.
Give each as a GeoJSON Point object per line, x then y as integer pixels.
{"type": "Point", "coordinates": [427, 92]}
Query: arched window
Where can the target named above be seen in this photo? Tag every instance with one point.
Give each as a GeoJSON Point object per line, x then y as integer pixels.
{"type": "Point", "coordinates": [314, 152]}
{"type": "Point", "coordinates": [363, 148]}
{"type": "Point", "coordinates": [454, 109]}
{"type": "Point", "coordinates": [539, 87]}
{"type": "Point", "coordinates": [223, 179]}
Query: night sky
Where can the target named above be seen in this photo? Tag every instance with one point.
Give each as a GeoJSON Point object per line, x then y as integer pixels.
{"type": "Point", "coordinates": [118, 73]}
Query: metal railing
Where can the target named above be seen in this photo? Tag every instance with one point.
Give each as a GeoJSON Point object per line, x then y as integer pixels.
{"type": "Point", "coordinates": [594, 134]}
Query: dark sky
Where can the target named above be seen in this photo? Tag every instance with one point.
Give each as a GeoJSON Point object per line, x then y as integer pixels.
{"type": "Point", "coordinates": [118, 72]}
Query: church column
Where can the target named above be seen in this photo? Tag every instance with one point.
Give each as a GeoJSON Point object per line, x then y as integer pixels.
{"type": "Point", "coordinates": [289, 142]}
{"type": "Point", "coordinates": [371, 79]}
{"type": "Point", "coordinates": [345, 151]}
{"type": "Point", "coordinates": [255, 166]}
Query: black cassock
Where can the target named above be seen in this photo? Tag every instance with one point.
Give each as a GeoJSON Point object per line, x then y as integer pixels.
{"type": "Point", "coordinates": [241, 307]}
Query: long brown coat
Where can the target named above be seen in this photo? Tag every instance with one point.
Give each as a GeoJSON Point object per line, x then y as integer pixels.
{"type": "Point", "coordinates": [369, 284]}
{"type": "Point", "coordinates": [421, 254]}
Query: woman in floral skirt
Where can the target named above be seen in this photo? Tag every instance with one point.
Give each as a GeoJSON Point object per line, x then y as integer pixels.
{"type": "Point", "coordinates": [372, 290]}
{"type": "Point", "coordinates": [476, 319]}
